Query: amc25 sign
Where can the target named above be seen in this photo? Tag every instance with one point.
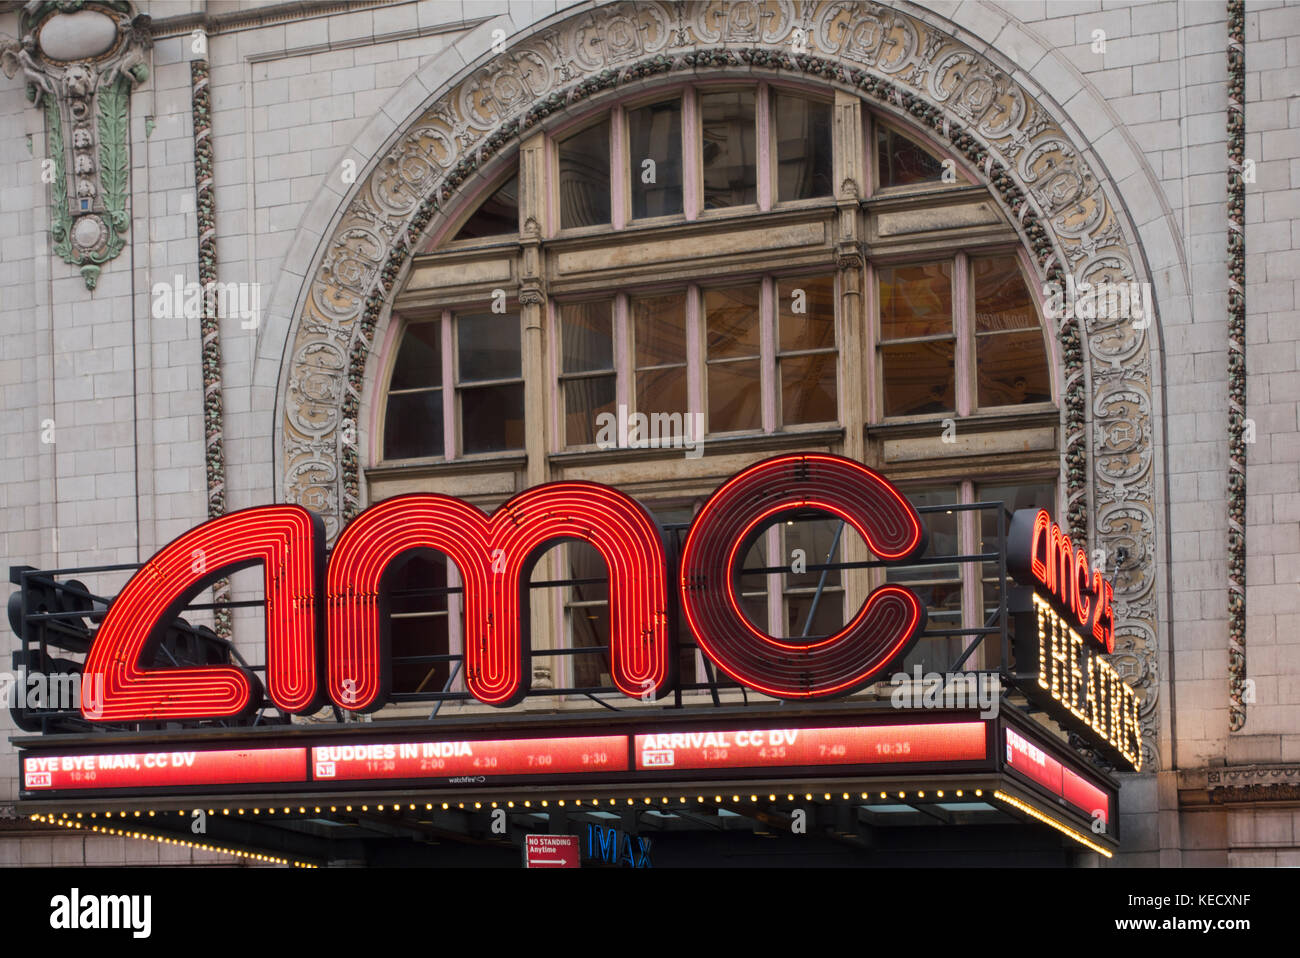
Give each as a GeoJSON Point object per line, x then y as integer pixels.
{"type": "Point", "coordinates": [327, 622]}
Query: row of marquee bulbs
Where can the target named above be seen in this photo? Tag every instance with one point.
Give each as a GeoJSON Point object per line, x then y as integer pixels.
{"type": "Point", "coordinates": [65, 822]}
{"type": "Point", "coordinates": [75, 822]}
{"type": "Point", "coordinates": [526, 803]}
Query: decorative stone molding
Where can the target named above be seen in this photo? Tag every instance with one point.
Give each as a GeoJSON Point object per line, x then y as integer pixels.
{"type": "Point", "coordinates": [1254, 783]}
{"type": "Point", "coordinates": [1236, 365]}
{"type": "Point", "coordinates": [81, 61]}
{"type": "Point", "coordinates": [901, 64]}
{"type": "Point", "coordinates": [209, 323]}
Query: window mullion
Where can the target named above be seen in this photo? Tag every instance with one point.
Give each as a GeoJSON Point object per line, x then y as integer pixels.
{"type": "Point", "coordinates": [450, 395]}
{"type": "Point", "coordinates": [455, 633]}
{"type": "Point", "coordinates": [623, 372]}
{"type": "Point", "coordinates": [694, 352]}
{"type": "Point", "coordinates": [763, 117]}
{"type": "Point", "coordinates": [767, 353]}
{"type": "Point", "coordinates": [619, 169]}
{"type": "Point", "coordinates": [775, 583]}
{"type": "Point", "coordinates": [963, 324]}
{"type": "Point", "coordinates": [872, 368]}
{"type": "Point", "coordinates": [692, 155]}
{"type": "Point", "coordinates": [971, 572]}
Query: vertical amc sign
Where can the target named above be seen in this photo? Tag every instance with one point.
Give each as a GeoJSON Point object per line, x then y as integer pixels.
{"type": "Point", "coordinates": [327, 625]}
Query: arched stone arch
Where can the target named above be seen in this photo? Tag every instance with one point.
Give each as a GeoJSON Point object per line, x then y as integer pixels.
{"type": "Point", "coordinates": [430, 143]}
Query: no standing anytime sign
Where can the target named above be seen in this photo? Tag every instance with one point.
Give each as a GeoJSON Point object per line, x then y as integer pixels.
{"type": "Point", "coordinates": [551, 851]}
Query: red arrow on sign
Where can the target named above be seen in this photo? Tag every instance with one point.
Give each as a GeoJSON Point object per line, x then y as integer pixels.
{"type": "Point", "coordinates": [551, 851]}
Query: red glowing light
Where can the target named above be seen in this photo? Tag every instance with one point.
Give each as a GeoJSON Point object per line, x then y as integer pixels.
{"type": "Point", "coordinates": [486, 758]}
{"type": "Point", "coordinates": [245, 766]}
{"type": "Point", "coordinates": [286, 540]}
{"type": "Point", "coordinates": [882, 629]}
{"type": "Point", "coordinates": [1025, 757]}
{"type": "Point", "coordinates": [493, 555]}
{"type": "Point", "coordinates": [775, 747]}
{"type": "Point", "coordinates": [1040, 553]}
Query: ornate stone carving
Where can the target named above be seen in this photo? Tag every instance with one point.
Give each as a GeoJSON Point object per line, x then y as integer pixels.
{"type": "Point", "coordinates": [1236, 366]}
{"type": "Point", "coordinates": [209, 324]}
{"type": "Point", "coordinates": [81, 61]}
{"type": "Point", "coordinates": [1254, 783]}
{"type": "Point", "coordinates": [898, 63]}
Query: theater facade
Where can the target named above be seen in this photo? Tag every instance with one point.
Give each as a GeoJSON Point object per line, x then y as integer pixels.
{"type": "Point", "coordinates": [650, 434]}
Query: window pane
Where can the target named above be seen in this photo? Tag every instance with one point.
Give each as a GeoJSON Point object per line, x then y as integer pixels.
{"type": "Point", "coordinates": [584, 177]}
{"type": "Point", "coordinates": [661, 390]}
{"type": "Point", "coordinates": [942, 526]}
{"type": "Point", "coordinates": [655, 134]}
{"type": "Point", "coordinates": [803, 148]}
{"type": "Point", "coordinates": [732, 321]}
{"type": "Point", "coordinates": [808, 389]}
{"type": "Point", "coordinates": [752, 587]}
{"type": "Point", "coordinates": [492, 418]}
{"type": "Point", "coordinates": [659, 329]}
{"type": "Point", "coordinates": [584, 400]}
{"type": "Point", "coordinates": [497, 216]}
{"type": "Point", "coordinates": [730, 167]}
{"type": "Point", "coordinates": [1001, 296]}
{"type": "Point", "coordinates": [903, 162]}
{"type": "Point", "coordinates": [814, 327]}
{"type": "Point", "coordinates": [665, 516]}
{"type": "Point", "coordinates": [487, 347]}
{"type": "Point", "coordinates": [1026, 495]}
{"type": "Point", "coordinates": [915, 300]}
{"type": "Point", "coordinates": [587, 337]}
{"type": "Point", "coordinates": [938, 586]}
{"type": "Point", "coordinates": [588, 608]}
{"type": "Point", "coordinates": [919, 378]}
{"type": "Point", "coordinates": [734, 400]}
{"type": "Point", "coordinates": [815, 537]}
{"type": "Point", "coordinates": [1011, 368]}
{"type": "Point", "coordinates": [413, 425]}
{"type": "Point", "coordinates": [827, 614]}
{"type": "Point", "coordinates": [419, 623]}
{"type": "Point", "coordinates": [419, 361]}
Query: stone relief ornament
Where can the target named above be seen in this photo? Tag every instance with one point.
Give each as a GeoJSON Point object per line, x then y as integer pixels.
{"type": "Point", "coordinates": [899, 60]}
{"type": "Point", "coordinates": [81, 60]}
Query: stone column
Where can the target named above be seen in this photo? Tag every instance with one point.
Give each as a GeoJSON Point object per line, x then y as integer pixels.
{"type": "Point", "coordinates": [849, 171]}
{"type": "Point", "coordinates": [539, 390]}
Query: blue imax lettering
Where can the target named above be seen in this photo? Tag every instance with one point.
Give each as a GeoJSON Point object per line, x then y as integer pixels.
{"type": "Point", "coordinates": [612, 847]}
{"type": "Point", "coordinates": [76, 911]}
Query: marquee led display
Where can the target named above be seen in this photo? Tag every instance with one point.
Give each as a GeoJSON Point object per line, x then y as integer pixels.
{"type": "Point", "coordinates": [494, 555]}
{"type": "Point", "coordinates": [775, 747]}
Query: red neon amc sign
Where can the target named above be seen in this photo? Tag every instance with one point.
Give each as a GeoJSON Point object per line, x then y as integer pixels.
{"type": "Point", "coordinates": [327, 625]}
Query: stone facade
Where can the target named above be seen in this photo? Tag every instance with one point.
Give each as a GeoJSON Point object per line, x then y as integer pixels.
{"type": "Point", "coordinates": [111, 448]}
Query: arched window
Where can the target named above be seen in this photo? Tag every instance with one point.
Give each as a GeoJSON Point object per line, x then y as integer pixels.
{"type": "Point", "coordinates": [655, 293]}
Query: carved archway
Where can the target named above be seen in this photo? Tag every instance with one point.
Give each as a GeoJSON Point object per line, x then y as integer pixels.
{"type": "Point", "coordinates": [898, 62]}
